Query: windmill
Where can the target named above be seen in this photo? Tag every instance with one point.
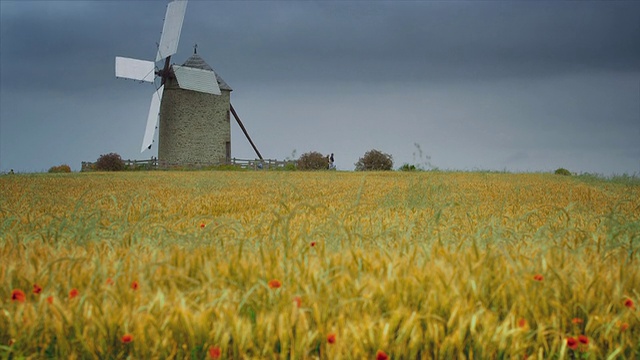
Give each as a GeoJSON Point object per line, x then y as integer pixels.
{"type": "Point", "coordinates": [192, 103]}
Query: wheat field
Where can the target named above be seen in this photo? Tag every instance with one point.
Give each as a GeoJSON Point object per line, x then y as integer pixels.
{"type": "Point", "coordinates": [325, 265]}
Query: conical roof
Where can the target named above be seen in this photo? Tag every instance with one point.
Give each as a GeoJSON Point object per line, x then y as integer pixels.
{"type": "Point", "coordinates": [195, 61]}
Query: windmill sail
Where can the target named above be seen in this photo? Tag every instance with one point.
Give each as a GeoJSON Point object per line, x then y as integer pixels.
{"type": "Point", "coordinates": [135, 69]}
{"type": "Point", "coordinates": [196, 79]}
{"type": "Point", "coordinates": [152, 119]}
{"type": "Point", "coordinates": [171, 29]}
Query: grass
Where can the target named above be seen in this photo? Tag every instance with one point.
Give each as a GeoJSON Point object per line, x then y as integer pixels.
{"type": "Point", "coordinates": [415, 265]}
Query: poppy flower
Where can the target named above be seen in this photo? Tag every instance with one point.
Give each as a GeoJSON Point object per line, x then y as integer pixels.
{"type": "Point", "coordinates": [629, 303]}
{"type": "Point", "coordinates": [274, 284]}
{"type": "Point", "coordinates": [624, 326]}
{"type": "Point", "coordinates": [127, 338]}
{"type": "Point", "coordinates": [572, 343]}
{"type": "Point", "coordinates": [135, 285]}
{"type": "Point", "coordinates": [313, 243]}
{"type": "Point", "coordinates": [577, 321]}
{"type": "Point", "coordinates": [73, 293]}
{"type": "Point", "coordinates": [298, 301]}
{"type": "Point", "coordinates": [37, 289]}
{"type": "Point", "coordinates": [202, 226]}
{"type": "Point", "coordinates": [522, 322]}
{"type": "Point", "coordinates": [215, 352]}
{"type": "Point", "coordinates": [538, 277]}
{"type": "Point", "coordinates": [109, 281]}
{"type": "Point", "coordinates": [583, 339]}
{"type": "Point", "coordinates": [331, 338]}
{"type": "Point", "coordinates": [18, 295]}
{"type": "Point", "coordinates": [50, 299]}
{"type": "Point", "coordinates": [381, 355]}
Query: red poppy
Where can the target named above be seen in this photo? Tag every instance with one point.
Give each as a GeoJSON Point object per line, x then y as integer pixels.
{"type": "Point", "coordinates": [577, 321]}
{"type": "Point", "coordinates": [381, 355]}
{"type": "Point", "coordinates": [313, 243]}
{"type": "Point", "coordinates": [73, 293]}
{"type": "Point", "coordinates": [298, 301]}
{"type": "Point", "coordinates": [135, 285]}
{"type": "Point", "coordinates": [202, 226]}
{"type": "Point", "coordinates": [109, 281]}
{"type": "Point", "coordinates": [127, 338]}
{"type": "Point", "coordinates": [37, 289]}
{"type": "Point", "coordinates": [572, 343]}
{"type": "Point", "coordinates": [522, 323]}
{"type": "Point", "coordinates": [331, 338]}
{"type": "Point", "coordinates": [629, 303]}
{"type": "Point", "coordinates": [538, 277]}
{"type": "Point", "coordinates": [583, 339]}
{"type": "Point", "coordinates": [50, 299]}
{"type": "Point", "coordinates": [215, 352]}
{"type": "Point", "coordinates": [274, 284]}
{"type": "Point", "coordinates": [18, 295]}
{"type": "Point", "coordinates": [624, 326]}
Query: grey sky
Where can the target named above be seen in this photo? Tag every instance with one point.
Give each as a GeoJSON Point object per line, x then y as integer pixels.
{"type": "Point", "coordinates": [521, 86]}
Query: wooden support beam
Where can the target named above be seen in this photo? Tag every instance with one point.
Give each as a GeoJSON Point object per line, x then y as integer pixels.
{"type": "Point", "coordinates": [235, 115]}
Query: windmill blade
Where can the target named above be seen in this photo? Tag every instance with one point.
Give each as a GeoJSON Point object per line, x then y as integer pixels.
{"type": "Point", "coordinates": [135, 69]}
{"type": "Point", "coordinates": [171, 29]}
{"type": "Point", "coordinates": [152, 119]}
{"type": "Point", "coordinates": [196, 79]}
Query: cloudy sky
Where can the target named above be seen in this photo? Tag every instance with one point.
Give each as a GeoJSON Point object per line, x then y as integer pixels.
{"type": "Point", "coordinates": [504, 85]}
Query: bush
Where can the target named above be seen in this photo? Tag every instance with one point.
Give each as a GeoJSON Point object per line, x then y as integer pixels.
{"type": "Point", "coordinates": [64, 168]}
{"type": "Point", "coordinates": [407, 167]}
{"type": "Point", "coordinates": [374, 160]}
{"type": "Point", "coordinates": [290, 166]}
{"type": "Point", "coordinates": [110, 162]}
{"type": "Point", "coordinates": [313, 161]}
{"type": "Point", "coordinates": [563, 171]}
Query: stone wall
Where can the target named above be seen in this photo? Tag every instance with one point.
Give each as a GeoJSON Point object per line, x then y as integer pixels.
{"type": "Point", "coordinates": [194, 127]}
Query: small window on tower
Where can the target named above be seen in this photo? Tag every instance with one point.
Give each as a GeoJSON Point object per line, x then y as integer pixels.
{"type": "Point", "coordinates": [228, 116]}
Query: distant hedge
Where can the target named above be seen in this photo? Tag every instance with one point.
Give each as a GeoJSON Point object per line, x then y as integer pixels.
{"type": "Point", "coordinates": [110, 162]}
{"type": "Point", "coordinates": [374, 160]}
{"type": "Point", "coordinates": [562, 171]}
{"type": "Point", "coordinates": [313, 160]}
{"type": "Point", "coordinates": [64, 168]}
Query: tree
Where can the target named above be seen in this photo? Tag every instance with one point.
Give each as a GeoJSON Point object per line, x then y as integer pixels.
{"type": "Point", "coordinates": [64, 168]}
{"type": "Point", "coordinates": [312, 161]}
{"type": "Point", "coordinates": [110, 162]}
{"type": "Point", "coordinates": [374, 160]}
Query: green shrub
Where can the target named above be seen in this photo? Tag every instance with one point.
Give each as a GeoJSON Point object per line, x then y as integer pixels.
{"type": "Point", "coordinates": [408, 167]}
{"type": "Point", "coordinates": [313, 161]}
{"type": "Point", "coordinates": [374, 160]}
{"type": "Point", "coordinates": [110, 162]}
{"type": "Point", "coordinates": [290, 166]}
{"type": "Point", "coordinates": [563, 171]}
{"type": "Point", "coordinates": [64, 168]}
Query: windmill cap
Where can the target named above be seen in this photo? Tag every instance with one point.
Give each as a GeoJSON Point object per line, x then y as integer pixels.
{"type": "Point", "coordinates": [195, 61]}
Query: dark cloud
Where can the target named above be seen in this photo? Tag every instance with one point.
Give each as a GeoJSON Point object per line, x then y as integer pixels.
{"type": "Point", "coordinates": [477, 84]}
{"type": "Point", "coordinates": [418, 41]}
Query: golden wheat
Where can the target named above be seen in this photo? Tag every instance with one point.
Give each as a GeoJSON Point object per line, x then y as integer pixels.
{"type": "Point", "coordinates": [329, 265]}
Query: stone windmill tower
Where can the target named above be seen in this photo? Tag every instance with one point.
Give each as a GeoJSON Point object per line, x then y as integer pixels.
{"type": "Point", "coordinates": [195, 127]}
{"type": "Point", "coordinates": [192, 102]}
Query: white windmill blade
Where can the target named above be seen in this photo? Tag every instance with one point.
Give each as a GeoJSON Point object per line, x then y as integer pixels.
{"type": "Point", "coordinates": [135, 69]}
{"type": "Point", "coordinates": [196, 79]}
{"type": "Point", "coordinates": [152, 119]}
{"type": "Point", "coordinates": [171, 29]}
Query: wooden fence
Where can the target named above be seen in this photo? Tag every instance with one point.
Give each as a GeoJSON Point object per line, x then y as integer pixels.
{"type": "Point", "coordinates": [153, 164]}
